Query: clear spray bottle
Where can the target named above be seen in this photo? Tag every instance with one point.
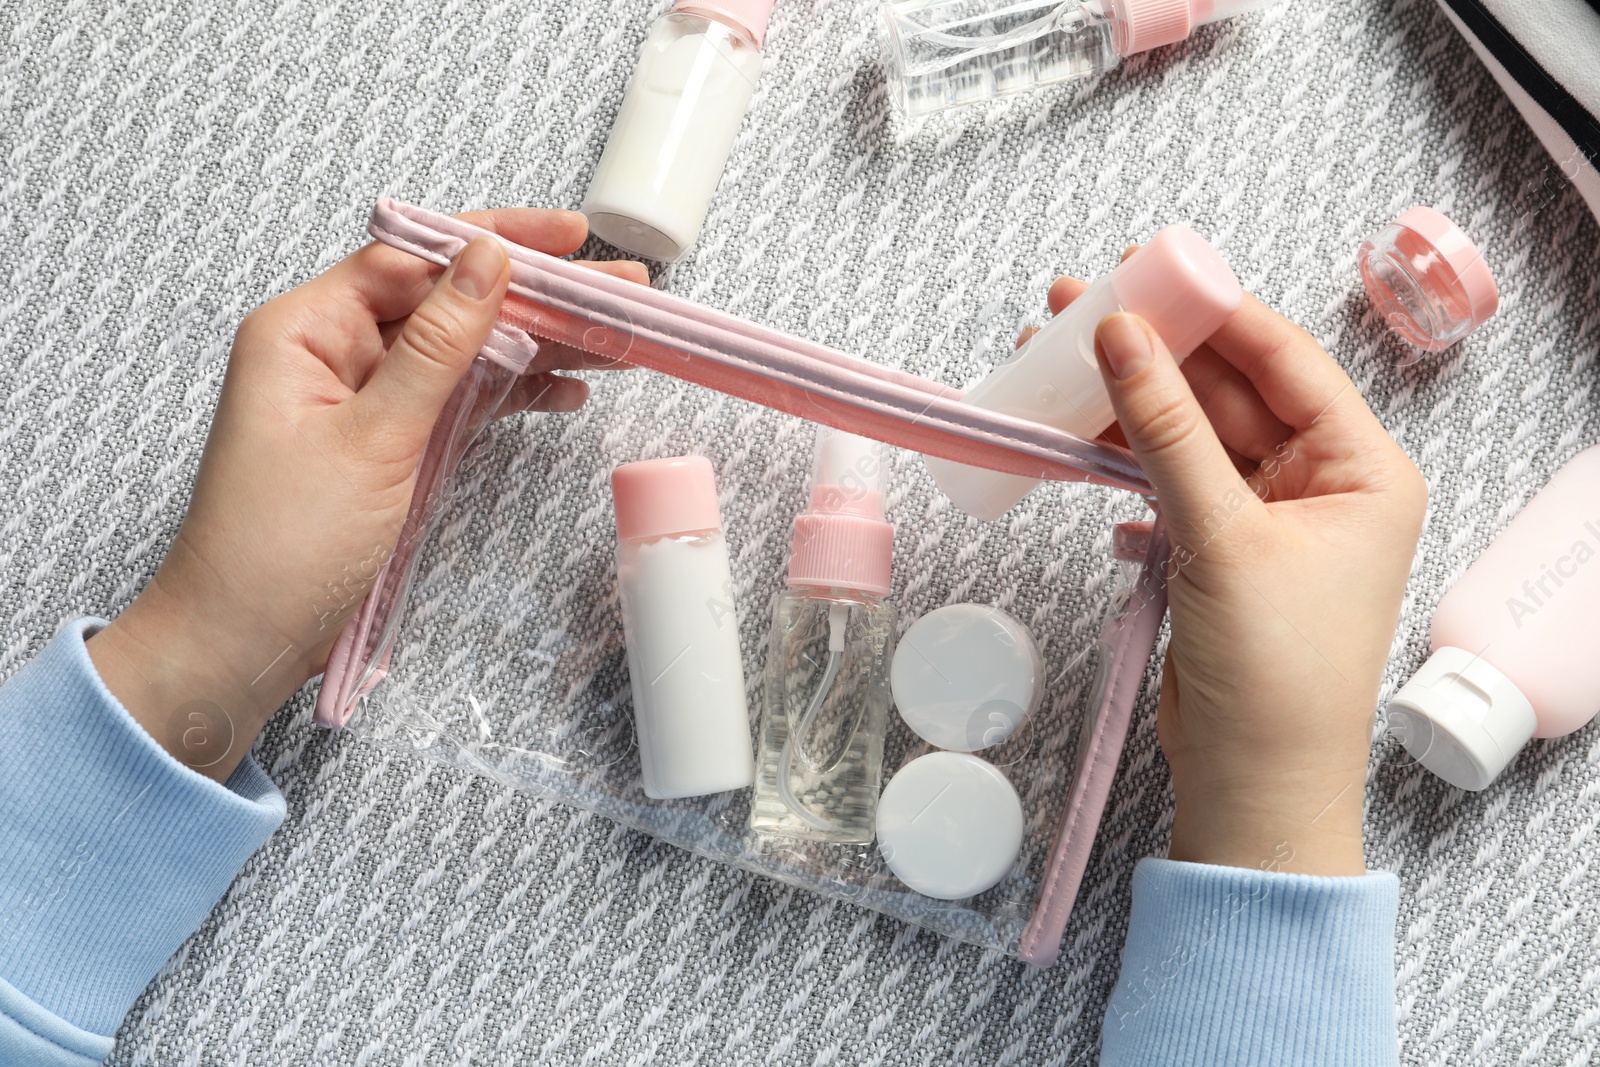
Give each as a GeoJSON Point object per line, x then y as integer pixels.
{"type": "Point", "coordinates": [945, 53]}
{"type": "Point", "coordinates": [819, 763]}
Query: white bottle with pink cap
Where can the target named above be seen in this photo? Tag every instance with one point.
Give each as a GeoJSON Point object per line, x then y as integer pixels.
{"type": "Point", "coordinates": [1177, 282]}
{"type": "Point", "coordinates": [682, 633]}
{"type": "Point", "coordinates": [826, 699]}
{"type": "Point", "coordinates": [676, 127]}
{"type": "Point", "coordinates": [1514, 640]}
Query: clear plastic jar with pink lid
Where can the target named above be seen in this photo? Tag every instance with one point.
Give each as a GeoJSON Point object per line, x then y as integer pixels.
{"type": "Point", "coordinates": [1427, 279]}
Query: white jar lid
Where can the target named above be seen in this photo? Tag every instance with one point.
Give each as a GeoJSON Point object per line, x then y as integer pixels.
{"type": "Point", "coordinates": [965, 676]}
{"type": "Point", "coordinates": [949, 825]}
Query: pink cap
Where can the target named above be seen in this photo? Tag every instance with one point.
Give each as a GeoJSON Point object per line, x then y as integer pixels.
{"type": "Point", "coordinates": [841, 540]}
{"type": "Point", "coordinates": [839, 551]}
{"type": "Point", "coordinates": [1181, 286]}
{"type": "Point", "coordinates": [749, 15]}
{"type": "Point", "coordinates": [1460, 255]}
{"type": "Point", "coordinates": [665, 498]}
{"type": "Point", "coordinates": [1145, 24]}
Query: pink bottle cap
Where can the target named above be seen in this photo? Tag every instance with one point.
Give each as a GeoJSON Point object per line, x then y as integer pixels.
{"type": "Point", "coordinates": [841, 552]}
{"type": "Point", "coordinates": [1181, 286]}
{"type": "Point", "coordinates": [749, 15]}
{"type": "Point", "coordinates": [842, 540]}
{"type": "Point", "coordinates": [1460, 254]}
{"type": "Point", "coordinates": [665, 498]}
{"type": "Point", "coordinates": [1145, 24]}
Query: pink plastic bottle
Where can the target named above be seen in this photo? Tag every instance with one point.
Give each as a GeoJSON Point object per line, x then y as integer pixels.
{"type": "Point", "coordinates": [1513, 641]}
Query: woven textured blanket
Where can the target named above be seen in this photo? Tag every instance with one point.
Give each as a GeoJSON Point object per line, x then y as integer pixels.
{"type": "Point", "coordinates": [167, 167]}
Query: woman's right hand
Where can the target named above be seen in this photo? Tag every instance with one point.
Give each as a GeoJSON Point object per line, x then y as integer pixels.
{"type": "Point", "coordinates": [1294, 518]}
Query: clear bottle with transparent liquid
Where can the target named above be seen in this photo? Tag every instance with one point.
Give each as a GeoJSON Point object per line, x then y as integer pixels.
{"type": "Point", "coordinates": [819, 762]}
{"type": "Point", "coordinates": [945, 53]}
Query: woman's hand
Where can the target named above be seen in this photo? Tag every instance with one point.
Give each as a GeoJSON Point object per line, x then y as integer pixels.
{"type": "Point", "coordinates": [306, 478]}
{"type": "Point", "coordinates": [1294, 518]}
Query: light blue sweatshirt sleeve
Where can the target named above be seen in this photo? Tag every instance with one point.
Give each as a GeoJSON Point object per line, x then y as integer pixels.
{"type": "Point", "coordinates": [111, 854]}
{"type": "Point", "coordinates": [1233, 967]}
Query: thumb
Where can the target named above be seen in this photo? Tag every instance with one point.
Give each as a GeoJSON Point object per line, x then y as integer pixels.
{"type": "Point", "coordinates": [438, 342]}
{"type": "Point", "coordinates": [1196, 484]}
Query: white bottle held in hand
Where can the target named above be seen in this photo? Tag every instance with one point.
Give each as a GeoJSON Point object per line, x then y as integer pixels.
{"type": "Point", "coordinates": [682, 634]}
{"type": "Point", "coordinates": [673, 135]}
{"type": "Point", "coordinates": [1177, 283]}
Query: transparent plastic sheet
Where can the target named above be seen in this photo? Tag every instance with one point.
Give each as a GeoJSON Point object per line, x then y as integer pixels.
{"type": "Point", "coordinates": [535, 696]}
{"type": "Point", "coordinates": [511, 662]}
{"type": "Point", "coordinates": [612, 319]}
{"type": "Point", "coordinates": [367, 640]}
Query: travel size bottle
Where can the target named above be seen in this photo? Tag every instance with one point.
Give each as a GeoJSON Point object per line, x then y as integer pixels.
{"type": "Point", "coordinates": [1427, 279]}
{"type": "Point", "coordinates": [1513, 641]}
{"type": "Point", "coordinates": [945, 53]}
{"type": "Point", "coordinates": [672, 137]}
{"type": "Point", "coordinates": [681, 631]}
{"type": "Point", "coordinates": [825, 704]}
{"type": "Point", "coordinates": [1177, 282]}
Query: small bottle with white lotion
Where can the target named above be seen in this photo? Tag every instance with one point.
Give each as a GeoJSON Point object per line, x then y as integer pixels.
{"type": "Point", "coordinates": [826, 699]}
{"type": "Point", "coordinates": [1513, 641]}
{"type": "Point", "coordinates": [682, 634]}
{"type": "Point", "coordinates": [1177, 283]}
{"type": "Point", "coordinates": [679, 117]}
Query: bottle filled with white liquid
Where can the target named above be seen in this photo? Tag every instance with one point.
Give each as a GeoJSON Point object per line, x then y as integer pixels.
{"type": "Point", "coordinates": [1177, 282]}
{"type": "Point", "coordinates": [676, 127]}
{"type": "Point", "coordinates": [682, 633]}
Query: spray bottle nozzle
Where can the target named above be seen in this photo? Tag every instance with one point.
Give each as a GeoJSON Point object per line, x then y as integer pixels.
{"type": "Point", "coordinates": [849, 475]}
{"type": "Point", "coordinates": [841, 540]}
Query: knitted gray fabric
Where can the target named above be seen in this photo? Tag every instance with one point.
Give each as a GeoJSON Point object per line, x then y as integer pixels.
{"type": "Point", "coordinates": [166, 170]}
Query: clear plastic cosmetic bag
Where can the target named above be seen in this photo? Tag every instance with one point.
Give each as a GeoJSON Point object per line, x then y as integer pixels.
{"type": "Point", "coordinates": [509, 660]}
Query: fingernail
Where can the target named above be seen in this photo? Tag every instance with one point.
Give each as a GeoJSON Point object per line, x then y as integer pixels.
{"type": "Point", "coordinates": [478, 268]}
{"type": "Point", "coordinates": [1123, 344]}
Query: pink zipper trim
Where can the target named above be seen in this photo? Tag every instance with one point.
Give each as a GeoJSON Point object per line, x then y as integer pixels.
{"type": "Point", "coordinates": [613, 318]}
{"type": "Point", "coordinates": [1135, 639]}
